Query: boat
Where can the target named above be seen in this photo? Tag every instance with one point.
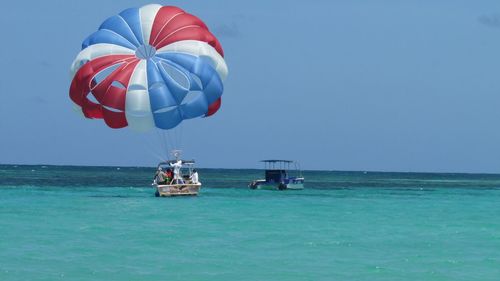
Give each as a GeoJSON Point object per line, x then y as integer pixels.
{"type": "Point", "coordinates": [277, 176]}
{"type": "Point", "coordinates": [186, 188]}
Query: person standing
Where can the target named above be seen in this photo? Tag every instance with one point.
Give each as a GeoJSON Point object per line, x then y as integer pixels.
{"type": "Point", "coordinates": [177, 171]}
{"type": "Point", "coordinates": [194, 177]}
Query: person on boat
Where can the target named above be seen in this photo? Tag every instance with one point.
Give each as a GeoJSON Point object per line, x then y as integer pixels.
{"type": "Point", "coordinates": [160, 176]}
{"type": "Point", "coordinates": [169, 175]}
{"type": "Point", "coordinates": [194, 177]}
{"type": "Point", "coordinates": [177, 172]}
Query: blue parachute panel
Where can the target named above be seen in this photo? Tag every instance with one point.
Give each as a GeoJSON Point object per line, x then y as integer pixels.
{"type": "Point", "coordinates": [133, 19]}
{"type": "Point", "coordinates": [211, 83]}
{"type": "Point", "coordinates": [168, 119]}
{"type": "Point", "coordinates": [107, 36]}
{"type": "Point", "coordinates": [159, 95]}
{"type": "Point", "coordinates": [118, 25]}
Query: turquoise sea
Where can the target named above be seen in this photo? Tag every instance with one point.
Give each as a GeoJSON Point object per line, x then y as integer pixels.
{"type": "Point", "coordinates": [103, 223]}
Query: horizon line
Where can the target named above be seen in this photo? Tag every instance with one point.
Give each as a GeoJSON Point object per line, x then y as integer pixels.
{"type": "Point", "coordinates": [307, 170]}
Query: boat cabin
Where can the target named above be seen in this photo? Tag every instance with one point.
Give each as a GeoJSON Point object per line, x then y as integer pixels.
{"type": "Point", "coordinates": [277, 176]}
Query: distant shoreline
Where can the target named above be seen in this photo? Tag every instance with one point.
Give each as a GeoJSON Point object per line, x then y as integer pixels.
{"type": "Point", "coordinates": [257, 169]}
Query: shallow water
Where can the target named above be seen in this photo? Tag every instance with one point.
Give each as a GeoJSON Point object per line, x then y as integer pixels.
{"type": "Point", "coordinates": [103, 223]}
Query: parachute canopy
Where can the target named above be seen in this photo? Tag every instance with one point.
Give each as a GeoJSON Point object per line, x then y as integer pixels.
{"type": "Point", "coordinates": [148, 67]}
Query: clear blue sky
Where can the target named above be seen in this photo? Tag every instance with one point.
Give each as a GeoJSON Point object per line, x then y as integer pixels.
{"type": "Point", "coordinates": [338, 85]}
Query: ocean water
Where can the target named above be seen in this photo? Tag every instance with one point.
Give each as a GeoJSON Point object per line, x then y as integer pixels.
{"type": "Point", "coordinates": [103, 223]}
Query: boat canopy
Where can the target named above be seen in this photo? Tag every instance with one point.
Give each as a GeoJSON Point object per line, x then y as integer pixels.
{"type": "Point", "coordinates": [276, 161]}
{"type": "Point", "coordinates": [282, 165]}
{"type": "Point", "coordinates": [184, 162]}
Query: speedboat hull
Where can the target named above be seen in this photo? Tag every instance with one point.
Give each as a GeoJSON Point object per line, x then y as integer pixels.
{"type": "Point", "coordinates": [296, 184]}
{"type": "Point", "coordinates": [169, 190]}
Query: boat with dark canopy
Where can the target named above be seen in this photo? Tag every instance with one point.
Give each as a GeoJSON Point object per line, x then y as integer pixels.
{"type": "Point", "coordinates": [279, 177]}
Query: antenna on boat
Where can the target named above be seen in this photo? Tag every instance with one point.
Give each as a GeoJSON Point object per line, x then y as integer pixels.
{"type": "Point", "coordinates": [176, 153]}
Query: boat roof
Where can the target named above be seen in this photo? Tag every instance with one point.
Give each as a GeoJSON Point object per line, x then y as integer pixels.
{"type": "Point", "coordinates": [184, 162]}
{"type": "Point", "coordinates": [276, 161]}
